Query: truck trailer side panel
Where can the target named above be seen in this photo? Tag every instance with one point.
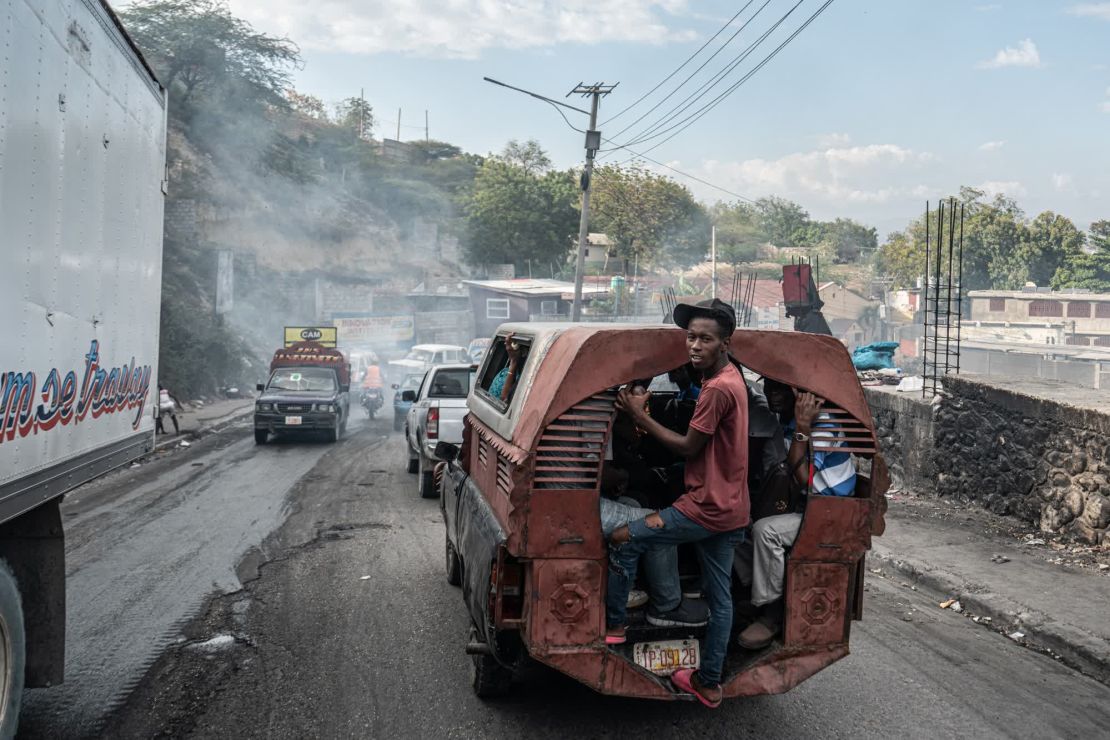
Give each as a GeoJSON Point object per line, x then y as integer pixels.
{"type": "Point", "coordinates": [82, 167]}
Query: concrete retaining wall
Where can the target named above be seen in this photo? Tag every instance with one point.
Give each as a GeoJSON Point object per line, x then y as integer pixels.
{"type": "Point", "coordinates": [1032, 449]}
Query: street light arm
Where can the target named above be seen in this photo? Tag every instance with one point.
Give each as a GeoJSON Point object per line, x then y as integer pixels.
{"type": "Point", "coordinates": [536, 95]}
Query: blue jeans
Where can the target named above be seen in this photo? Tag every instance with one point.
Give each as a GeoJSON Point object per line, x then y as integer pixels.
{"type": "Point", "coordinates": [715, 551]}
{"type": "Point", "coordinates": [660, 563]}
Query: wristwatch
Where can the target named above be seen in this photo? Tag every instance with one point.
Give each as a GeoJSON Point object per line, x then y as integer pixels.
{"type": "Point", "coordinates": [801, 437]}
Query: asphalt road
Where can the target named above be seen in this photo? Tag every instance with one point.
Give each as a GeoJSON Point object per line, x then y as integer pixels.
{"type": "Point", "coordinates": [297, 590]}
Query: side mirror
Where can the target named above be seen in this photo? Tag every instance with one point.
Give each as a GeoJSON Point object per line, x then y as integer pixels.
{"type": "Point", "coordinates": [260, 386]}
{"type": "Point", "coordinates": [446, 452]}
{"type": "Point", "coordinates": [408, 396]}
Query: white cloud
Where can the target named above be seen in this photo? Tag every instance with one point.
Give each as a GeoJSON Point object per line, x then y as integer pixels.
{"type": "Point", "coordinates": [834, 139]}
{"type": "Point", "coordinates": [1091, 10]}
{"type": "Point", "coordinates": [1012, 188]}
{"type": "Point", "coordinates": [1025, 54]}
{"type": "Point", "coordinates": [840, 174]}
{"type": "Point", "coordinates": [1104, 106]}
{"type": "Point", "coordinates": [461, 28]}
{"type": "Point", "coordinates": [1062, 182]}
{"type": "Point", "coordinates": [991, 146]}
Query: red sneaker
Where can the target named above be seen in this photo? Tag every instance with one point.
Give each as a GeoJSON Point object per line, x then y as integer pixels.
{"type": "Point", "coordinates": [685, 680]}
{"type": "Point", "coordinates": [615, 636]}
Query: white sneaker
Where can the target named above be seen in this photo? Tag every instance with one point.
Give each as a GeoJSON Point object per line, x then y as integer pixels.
{"type": "Point", "coordinates": [637, 598]}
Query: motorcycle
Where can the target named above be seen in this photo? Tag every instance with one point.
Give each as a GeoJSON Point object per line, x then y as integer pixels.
{"type": "Point", "coordinates": [371, 400]}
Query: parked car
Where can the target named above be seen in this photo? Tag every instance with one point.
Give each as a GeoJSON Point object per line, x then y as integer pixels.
{"type": "Point", "coordinates": [423, 357]}
{"type": "Point", "coordinates": [520, 502]}
{"type": "Point", "coordinates": [400, 405]}
{"type": "Point", "coordinates": [477, 349]}
{"type": "Point", "coordinates": [437, 412]}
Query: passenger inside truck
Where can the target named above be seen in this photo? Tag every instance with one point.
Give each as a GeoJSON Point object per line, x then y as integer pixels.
{"type": "Point", "coordinates": [502, 373]}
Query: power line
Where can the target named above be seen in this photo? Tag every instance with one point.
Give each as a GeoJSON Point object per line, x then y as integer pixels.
{"type": "Point", "coordinates": [690, 100]}
{"type": "Point", "coordinates": [684, 174]}
{"type": "Point", "coordinates": [699, 69]}
{"type": "Point", "coordinates": [677, 69]}
{"type": "Point", "coordinates": [693, 118]}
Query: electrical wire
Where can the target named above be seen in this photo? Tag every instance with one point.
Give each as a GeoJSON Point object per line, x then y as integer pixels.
{"type": "Point", "coordinates": [677, 69]}
{"type": "Point", "coordinates": [690, 100]}
{"type": "Point", "coordinates": [693, 118]}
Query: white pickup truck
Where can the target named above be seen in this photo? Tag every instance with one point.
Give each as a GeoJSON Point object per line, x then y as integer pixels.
{"type": "Point", "coordinates": [436, 415]}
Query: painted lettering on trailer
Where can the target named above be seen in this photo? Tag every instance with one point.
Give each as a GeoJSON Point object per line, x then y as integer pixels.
{"type": "Point", "coordinates": [63, 401]}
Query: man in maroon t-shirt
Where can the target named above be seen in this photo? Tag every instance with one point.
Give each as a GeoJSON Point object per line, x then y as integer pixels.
{"type": "Point", "coordinates": [714, 510]}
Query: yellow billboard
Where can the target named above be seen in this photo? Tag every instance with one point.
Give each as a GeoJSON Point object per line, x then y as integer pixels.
{"type": "Point", "coordinates": [328, 336]}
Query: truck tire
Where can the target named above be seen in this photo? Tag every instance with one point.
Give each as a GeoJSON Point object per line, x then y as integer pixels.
{"type": "Point", "coordinates": [425, 479]}
{"type": "Point", "coordinates": [414, 464]}
{"type": "Point", "coordinates": [260, 436]}
{"type": "Point", "coordinates": [454, 565]}
{"type": "Point", "coordinates": [12, 653]}
{"type": "Point", "coordinates": [490, 679]}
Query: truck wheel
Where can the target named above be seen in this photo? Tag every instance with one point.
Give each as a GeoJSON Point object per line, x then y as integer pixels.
{"type": "Point", "coordinates": [488, 678]}
{"type": "Point", "coordinates": [454, 566]}
{"type": "Point", "coordinates": [414, 464]}
{"type": "Point", "coordinates": [260, 436]}
{"type": "Point", "coordinates": [426, 480]}
{"type": "Point", "coordinates": [12, 652]}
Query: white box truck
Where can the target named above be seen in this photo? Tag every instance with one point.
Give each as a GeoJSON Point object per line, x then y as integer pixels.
{"type": "Point", "coordinates": [82, 182]}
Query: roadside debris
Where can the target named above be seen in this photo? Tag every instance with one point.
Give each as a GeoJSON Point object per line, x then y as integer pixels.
{"type": "Point", "coordinates": [136, 465]}
{"type": "Point", "coordinates": [1034, 541]}
{"type": "Point", "coordinates": [996, 558]}
{"type": "Point", "coordinates": [184, 443]}
{"type": "Point", "coordinates": [1015, 636]}
{"type": "Point", "coordinates": [947, 603]}
{"type": "Point", "coordinates": [365, 578]}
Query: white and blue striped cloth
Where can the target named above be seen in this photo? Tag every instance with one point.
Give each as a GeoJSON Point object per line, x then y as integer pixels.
{"type": "Point", "coordinates": [833, 473]}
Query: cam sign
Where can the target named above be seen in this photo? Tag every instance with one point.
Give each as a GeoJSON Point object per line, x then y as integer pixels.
{"type": "Point", "coordinates": [325, 335]}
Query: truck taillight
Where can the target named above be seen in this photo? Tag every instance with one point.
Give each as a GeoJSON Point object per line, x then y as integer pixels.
{"type": "Point", "coordinates": [432, 430]}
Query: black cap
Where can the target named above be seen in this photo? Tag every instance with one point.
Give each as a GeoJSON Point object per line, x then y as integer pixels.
{"type": "Point", "coordinates": [711, 309]}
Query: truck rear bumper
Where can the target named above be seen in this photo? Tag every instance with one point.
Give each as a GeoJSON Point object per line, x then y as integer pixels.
{"type": "Point", "coordinates": [309, 422]}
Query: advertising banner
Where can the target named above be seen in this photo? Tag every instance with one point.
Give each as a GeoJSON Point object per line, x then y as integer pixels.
{"type": "Point", "coordinates": [369, 330]}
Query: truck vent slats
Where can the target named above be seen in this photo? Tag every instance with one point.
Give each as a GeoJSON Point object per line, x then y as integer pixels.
{"type": "Point", "coordinates": [571, 449]}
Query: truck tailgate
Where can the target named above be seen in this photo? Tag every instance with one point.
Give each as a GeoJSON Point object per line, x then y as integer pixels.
{"type": "Point", "coordinates": [451, 413]}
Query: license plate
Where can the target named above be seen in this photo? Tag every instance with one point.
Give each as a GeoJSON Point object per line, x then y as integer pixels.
{"type": "Point", "coordinates": [666, 657]}
{"type": "Point", "coordinates": [292, 420]}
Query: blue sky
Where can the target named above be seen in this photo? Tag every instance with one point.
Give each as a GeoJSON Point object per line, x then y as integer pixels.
{"type": "Point", "coordinates": [875, 107]}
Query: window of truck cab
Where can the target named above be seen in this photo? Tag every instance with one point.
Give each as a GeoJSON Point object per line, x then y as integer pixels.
{"type": "Point", "coordinates": [497, 359]}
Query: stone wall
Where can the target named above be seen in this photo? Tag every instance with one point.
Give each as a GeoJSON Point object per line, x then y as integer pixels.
{"type": "Point", "coordinates": [1032, 449]}
{"type": "Point", "coordinates": [904, 425]}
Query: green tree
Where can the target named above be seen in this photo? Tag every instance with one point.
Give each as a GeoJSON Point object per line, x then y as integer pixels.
{"type": "Point", "coordinates": [1099, 236]}
{"type": "Point", "coordinates": [515, 215]}
{"type": "Point", "coordinates": [1050, 242]}
{"type": "Point", "coordinates": [783, 221]}
{"type": "Point", "coordinates": [357, 115]}
{"type": "Point", "coordinates": [850, 239]}
{"type": "Point", "coordinates": [529, 156]}
{"type": "Point", "coordinates": [1088, 270]}
{"type": "Point", "coordinates": [199, 48]}
{"type": "Point", "coordinates": [738, 234]}
{"type": "Point", "coordinates": [649, 217]}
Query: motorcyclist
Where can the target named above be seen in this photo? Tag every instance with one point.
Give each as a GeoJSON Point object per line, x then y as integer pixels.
{"type": "Point", "coordinates": [371, 395]}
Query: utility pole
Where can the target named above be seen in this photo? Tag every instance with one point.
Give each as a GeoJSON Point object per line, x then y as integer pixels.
{"type": "Point", "coordinates": [713, 256]}
{"type": "Point", "coordinates": [426, 139]}
{"type": "Point", "coordinates": [398, 124]}
{"type": "Point", "coordinates": [593, 143]}
{"type": "Point", "coordinates": [362, 113]}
